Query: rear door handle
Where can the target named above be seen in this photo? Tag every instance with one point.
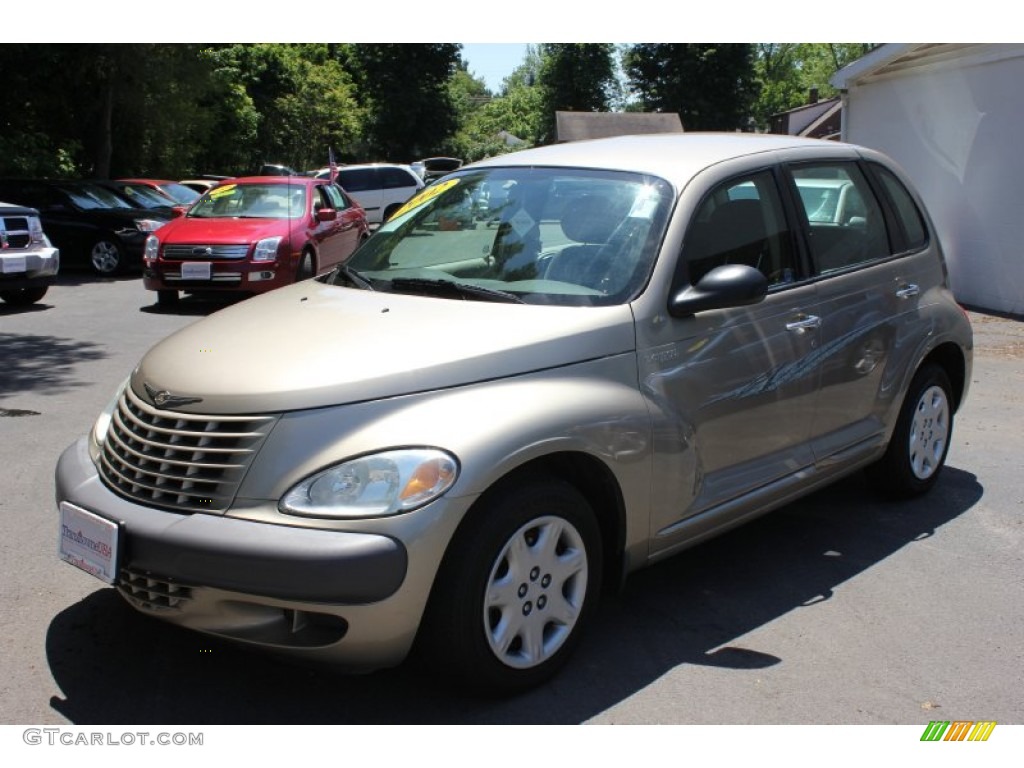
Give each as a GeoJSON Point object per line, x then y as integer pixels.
{"type": "Point", "coordinates": [804, 323]}
{"type": "Point", "coordinates": [907, 291]}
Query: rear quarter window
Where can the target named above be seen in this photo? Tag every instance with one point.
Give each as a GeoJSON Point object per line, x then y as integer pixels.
{"type": "Point", "coordinates": [907, 212]}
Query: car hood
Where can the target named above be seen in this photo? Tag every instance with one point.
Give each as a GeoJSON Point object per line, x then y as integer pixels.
{"type": "Point", "coordinates": [109, 217]}
{"type": "Point", "coordinates": [221, 231]}
{"type": "Point", "coordinates": [312, 345]}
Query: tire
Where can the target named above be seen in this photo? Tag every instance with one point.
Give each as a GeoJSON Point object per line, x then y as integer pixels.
{"type": "Point", "coordinates": [917, 451]}
{"type": "Point", "coordinates": [307, 267]}
{"type": "Point", "coordinates": [517, 587]}
{"type": "Point", "coordinates": [167, 297]}
{"type": "Point", "coordinates": [106, 257]}
{"type": "Point", "coordinates": [21, 297]}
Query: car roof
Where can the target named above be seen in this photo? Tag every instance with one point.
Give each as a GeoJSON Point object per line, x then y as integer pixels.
{"type": "Point", "coordinates": [293, 180]}
{"type": "Point", "coordinates": [676, 157]}
{"type": "Point", "coordinates": [373, 165]}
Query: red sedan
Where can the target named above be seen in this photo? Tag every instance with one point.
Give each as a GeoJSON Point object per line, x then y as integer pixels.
{"type": "Point", "coordinates": [254, 234]}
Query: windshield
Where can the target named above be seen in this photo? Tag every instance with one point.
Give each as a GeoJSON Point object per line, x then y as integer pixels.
{"type": "Point", "coordinates": [144, 197]}
{"type": "Point", "coordinates": [180, 193]}
{"type": "Point", "coordinates": [252, 201]}
{"type": "Point", "coordinates": [543, 235]}
{"type": "Point", "coordinates": [92, 196]}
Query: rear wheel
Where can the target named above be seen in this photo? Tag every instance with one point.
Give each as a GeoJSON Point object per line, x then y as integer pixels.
{"type": "Point", "coordinates": [920, 442]}
{"type": "Point", "coordinates": [22, 296]}
{"type": "Point", "coordinates": [517, 588]}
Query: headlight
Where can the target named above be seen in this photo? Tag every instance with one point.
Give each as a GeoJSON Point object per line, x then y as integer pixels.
{"type": "Point", "coordinates": [102, 425]}
{"type": "Point", "coordinates": [381, 484]}
{"type": "Point", "coordinates": [152, 248]}
{"type": "Point", "coordinates": [266, 249]}
{"type": "Point", "coordinates": [148, 225]}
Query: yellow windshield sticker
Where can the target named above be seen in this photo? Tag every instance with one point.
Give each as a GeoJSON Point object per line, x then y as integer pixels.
{"type": "Point", "coordinates": [425, 196]}
{"type": "Point", "coordinates": [221, 191]}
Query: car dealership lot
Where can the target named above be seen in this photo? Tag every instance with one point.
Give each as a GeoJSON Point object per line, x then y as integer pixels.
{"type": "Point", "coordinates": [838, 609]}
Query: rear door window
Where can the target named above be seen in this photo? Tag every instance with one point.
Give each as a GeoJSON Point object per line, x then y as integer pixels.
{"type": "Point", "coordinates": [845, 225]}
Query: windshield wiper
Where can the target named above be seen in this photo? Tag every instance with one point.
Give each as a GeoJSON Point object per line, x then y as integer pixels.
{"type": "Point", "coordinates": [449, 288]}
{"type": "Point", "coordinates": [354, 279]}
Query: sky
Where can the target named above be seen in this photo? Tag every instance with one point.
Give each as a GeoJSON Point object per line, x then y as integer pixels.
{"type": "Point", "coordinates": [493, 61]}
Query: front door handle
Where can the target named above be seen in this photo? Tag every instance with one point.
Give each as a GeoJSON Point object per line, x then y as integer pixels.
{"type": "Point", "coordinates": [907, 291]}
{"type": "Point", "coordinates": [804, 323]}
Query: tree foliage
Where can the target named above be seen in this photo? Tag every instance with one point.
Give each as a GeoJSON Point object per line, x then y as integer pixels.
{"type": "Point", "coordinates": [175, 110]}
{"type": "Point", "coordinates": [786, 73]}
{"type": "Point", "coordinates": [711, 86]}
{"type": "Point", "coordinates": [404, 91]}
{"type": "Point", "coordinates": [575, 77]}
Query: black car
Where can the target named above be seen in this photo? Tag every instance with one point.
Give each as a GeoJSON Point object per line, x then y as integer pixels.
{"type": "Point", "coordinates": [91, 225]}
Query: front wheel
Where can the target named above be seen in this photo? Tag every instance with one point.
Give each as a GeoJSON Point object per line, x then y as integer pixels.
{"type": "Point", "coordinates": [307, 267]}
{"type": "Point", "coordinates": [516, 589]}
{"type": "Point", "coordinates": [20, 297]}
{"type": "Point", "coordinates": [167, 297]}
{"type": "Point", "coordinates": [920, 442]}
{"type": "Point", "coordinates": [106, 257]}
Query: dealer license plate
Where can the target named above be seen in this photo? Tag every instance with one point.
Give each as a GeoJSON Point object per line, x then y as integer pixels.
{"type": "Point", "coordinates": [199, 270]}
{"type": "Point", "coordinates": [89, 542]}
{"type": "Point", "coordinates": [13, 264]}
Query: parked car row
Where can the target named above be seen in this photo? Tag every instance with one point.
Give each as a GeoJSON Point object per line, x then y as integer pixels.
{"type": "Point", "coordinates": [89, 222]}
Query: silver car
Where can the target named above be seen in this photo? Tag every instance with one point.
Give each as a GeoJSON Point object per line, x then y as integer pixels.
{"type": "Point", "coordinates": [456, 439]}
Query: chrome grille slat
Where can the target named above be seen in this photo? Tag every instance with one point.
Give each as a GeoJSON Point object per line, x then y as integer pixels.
{"type": "Point", "coordinates": [185, 462]}
{"type": "Point", "coordinates": [168, 460]}
{"type": "Point", "coordinates": [197, 252]}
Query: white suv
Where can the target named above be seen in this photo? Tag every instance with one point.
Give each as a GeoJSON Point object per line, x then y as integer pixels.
{"type": "Point", "coordinates": [381, 188]}
{"type": "Point", "coordinates": [28, 262]}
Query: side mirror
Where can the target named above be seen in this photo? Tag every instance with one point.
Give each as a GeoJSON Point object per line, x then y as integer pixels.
{"type": "Point", "coordinates": [731, 285]}
{"type": "Point", "coordinates": [326, 214]}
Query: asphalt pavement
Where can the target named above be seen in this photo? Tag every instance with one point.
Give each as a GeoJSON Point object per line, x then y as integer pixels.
{"type": "Point", "coordinates": [839, 609]}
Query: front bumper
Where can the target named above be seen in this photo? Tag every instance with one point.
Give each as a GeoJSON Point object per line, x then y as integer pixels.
{"type": "Point", "coordinates": [236, 275]}
{"type": "Point", "coordinates": [342, 596]}
{"type": "Point", "coordinates": [28, 269]}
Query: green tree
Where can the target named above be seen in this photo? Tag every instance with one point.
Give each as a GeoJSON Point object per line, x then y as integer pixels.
{"type": "Point", "coordinates": [575, 77]}
{"type": "Point", "coordinates": [403, 90]}
{"type": "Point", "coordinates": [711, 86]}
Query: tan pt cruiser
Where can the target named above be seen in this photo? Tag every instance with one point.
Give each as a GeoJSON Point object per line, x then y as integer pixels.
{"type": "Point", "coordinates": [547, 370]}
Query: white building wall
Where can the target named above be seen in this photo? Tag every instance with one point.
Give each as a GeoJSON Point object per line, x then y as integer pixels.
{"type": "Point", "coordinates": [957, 128]}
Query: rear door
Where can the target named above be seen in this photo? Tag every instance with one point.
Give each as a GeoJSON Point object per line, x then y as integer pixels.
{"type": "Point", "coordinates": [844, 225]}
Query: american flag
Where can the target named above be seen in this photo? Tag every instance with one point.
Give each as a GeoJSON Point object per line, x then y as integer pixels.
{"type": "Point", "coordinates": [333, 164]}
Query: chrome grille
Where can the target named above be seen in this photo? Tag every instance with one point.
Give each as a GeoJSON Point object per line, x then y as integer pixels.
{"type": "Point", "coordinates": [150, 592]}
{"type": "Point", "coordinates": [200, 252]}
{"type": "Point", "coordinates": [216, 277]}
{"type": "Point", "coordinates": [186, 462]}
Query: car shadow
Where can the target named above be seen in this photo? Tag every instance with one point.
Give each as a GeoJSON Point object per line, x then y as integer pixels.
{"type": "Point", "coordinates": [115, 666]}
{"type": "Point", "coordinates": [73, 277]}
{"type": "Point", "coordinates": [194, 304]}
{"type": "Point", "coordinates": [43, 363]}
